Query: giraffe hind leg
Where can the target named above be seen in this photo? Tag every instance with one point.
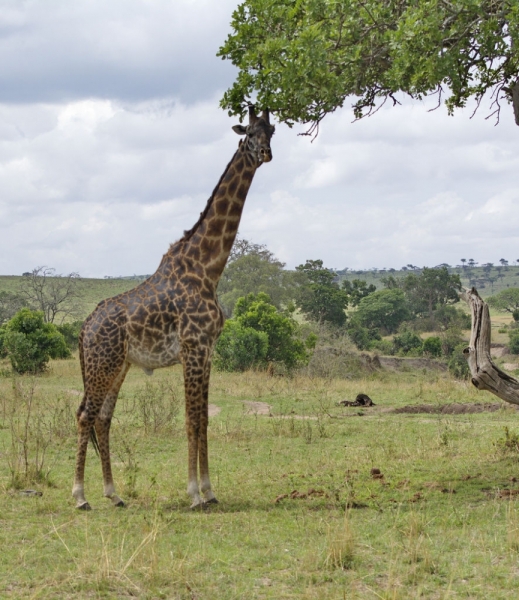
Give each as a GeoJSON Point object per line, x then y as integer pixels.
{"type": "Point", "coordinates": [102, 430]}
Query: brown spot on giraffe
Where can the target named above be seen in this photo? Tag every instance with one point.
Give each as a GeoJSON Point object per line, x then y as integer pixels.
{"type": "Point", "coordinates": [172, 317]}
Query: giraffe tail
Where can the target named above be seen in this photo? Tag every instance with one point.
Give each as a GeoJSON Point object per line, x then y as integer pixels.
{"type": "Point", "coordinates": [93, 439]}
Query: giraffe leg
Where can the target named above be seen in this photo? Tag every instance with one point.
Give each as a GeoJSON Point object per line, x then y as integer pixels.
{"type": "Point", "coordinates": [203, 456]}
{"type": "Point", "coordinates": [78, 490]}
{"type": "Point", "coordinates": [102, 427]}
{"type": "Point", "coordinates": [86, 416]}
{"type": "Point", "coordinates": [196, 368]}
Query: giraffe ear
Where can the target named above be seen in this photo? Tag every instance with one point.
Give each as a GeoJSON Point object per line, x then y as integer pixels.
{"type": "Point", "coordinates": [239, 129]}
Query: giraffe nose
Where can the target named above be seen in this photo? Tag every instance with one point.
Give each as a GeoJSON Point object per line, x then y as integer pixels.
{"type": "Point", "coordinates": [266, 154]}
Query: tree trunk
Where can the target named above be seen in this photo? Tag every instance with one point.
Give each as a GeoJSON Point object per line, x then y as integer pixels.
{"type": "Point", "coordinates": [485, 375]}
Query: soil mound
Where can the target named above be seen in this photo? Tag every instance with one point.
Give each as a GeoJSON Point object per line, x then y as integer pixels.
{"type": "Point", "coordinates": [451, 409]}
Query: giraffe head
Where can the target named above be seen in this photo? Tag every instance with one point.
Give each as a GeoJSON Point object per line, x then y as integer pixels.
{"type": "Point", "coordinates": [258, 133]}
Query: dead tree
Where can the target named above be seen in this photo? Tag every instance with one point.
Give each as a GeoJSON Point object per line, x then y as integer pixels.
{"type": "Point", "coordinates": [485, 374]}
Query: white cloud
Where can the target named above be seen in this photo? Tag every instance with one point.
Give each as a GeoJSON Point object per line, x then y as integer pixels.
{"type": "Point", "coordinates": [111, 140]}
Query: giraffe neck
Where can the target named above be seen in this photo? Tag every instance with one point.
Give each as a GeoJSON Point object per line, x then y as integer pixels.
{"type": "Point", "coordinates": [210, 241]}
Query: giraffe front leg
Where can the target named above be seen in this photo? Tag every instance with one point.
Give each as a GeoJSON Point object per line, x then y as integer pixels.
{"type": "Point", "coordinates": [196, 387]}
{"type": "Point", "coordinates": [203, 456]}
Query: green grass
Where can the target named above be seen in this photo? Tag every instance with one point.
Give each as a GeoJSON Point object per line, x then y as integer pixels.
{"type": "Point", "coordinates": [435, 526]}
{"type": "Point", "coordinates": [92, 290]}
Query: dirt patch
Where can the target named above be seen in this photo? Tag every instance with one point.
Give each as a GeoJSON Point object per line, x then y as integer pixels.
{"type": "Point", "coordinates": [257, 408]}
{"type": "Point", "coordinates": [214, 410]}
{"type": "Point", "coordinates": [397, 363]}
{"type": "Point", "coordinates": [74, 392]}
{"type": "Point", "coordinates": [450, 409]}
{"type": "Point", "coordinates": [498, 350]}
{"type": "Point", "coordinates": [510, 366]}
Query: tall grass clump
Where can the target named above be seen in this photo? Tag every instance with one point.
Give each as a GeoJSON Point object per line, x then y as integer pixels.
{"type": "Point", "coordinates": [35, 424]}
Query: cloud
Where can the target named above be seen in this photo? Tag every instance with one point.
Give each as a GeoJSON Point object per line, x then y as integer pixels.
{"type": "Point", "coordinates": [111, 141]}
{"type": "Point", "coordinates": [122, 49]}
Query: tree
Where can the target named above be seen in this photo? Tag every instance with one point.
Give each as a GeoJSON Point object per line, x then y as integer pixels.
{"type": "Point", "coordinates": [29, 342]}
{"type": "Point", "coordinates": [252, 268]}
{"type": "Point", "coordinates": [320, 297]}
{"type": "Point", "coordinates": [303, 58]}
{"type": "Point", "coordinates": [278, 343]}
{"type": "Point", "coordinates": [52, 294]}
{"type": "Point", "coordinates": [505, 301]}
{"type": "Point", "coordinates": [358, 289]}
{"type": "Point", "coordinates": [384, 309]}
{"type": "Point", "coordinates": [431, 289]}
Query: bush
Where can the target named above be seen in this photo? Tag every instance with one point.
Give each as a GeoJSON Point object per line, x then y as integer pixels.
{"type": "Point", "coordinates": [29, 342]}
{"type": "Point", "coordinates": [407, 342]}
{"type": "Point", "coordinates": [432, 346]}
{"type": "Point", "coordinates": [259, 334]}
{"type": "Point", "coordinates": [362, 337]}
{"type": "Point", "coordinates": [451, 338]}
{"type": "Point", "coordinates": [514, 341]}
{"type": "Point", "coordinates": [71, 331]}
{"type": "Point", "coordinates": [384, 346]}
{"type": "Point", "coordinates": [240, 348]}
{"type": "Point", "coordinates": [458, 365]}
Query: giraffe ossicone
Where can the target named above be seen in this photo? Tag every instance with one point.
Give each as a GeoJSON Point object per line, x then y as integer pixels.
{"type": "Point", "coordinates": [173, 317]}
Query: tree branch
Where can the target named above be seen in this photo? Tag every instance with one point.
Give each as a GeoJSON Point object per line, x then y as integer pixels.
{"type": "Point", "coordinates": [485, 375]}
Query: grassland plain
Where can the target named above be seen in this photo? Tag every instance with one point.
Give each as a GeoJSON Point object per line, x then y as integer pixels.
{"type": "Point", "coordinates": [440, 520]}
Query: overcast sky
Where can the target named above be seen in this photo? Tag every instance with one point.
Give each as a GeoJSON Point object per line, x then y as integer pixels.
{"type": "Point", "coordinates": [111, 141]}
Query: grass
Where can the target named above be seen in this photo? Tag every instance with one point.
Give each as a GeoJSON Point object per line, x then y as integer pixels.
{"type": "Point", "coordinates": [440, 522]}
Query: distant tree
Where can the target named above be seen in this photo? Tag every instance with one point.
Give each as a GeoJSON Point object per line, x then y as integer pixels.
{"type": "Point", "coordinates": [29, 342]}
{"type": "Point", "coordinates": [320, 297]}
{"type": "Point", "coordinates": [10, 304]}
{"type": "Point", "coordinates": [357, 289]}
{"type": "Point", "coordinates": [463, 261]}
{"type": "Point", "coordinates": [505, 301]}
{"type": "Point", "coordinates": [431, 289]}
{"type": "Point", "coordinates": [383, 309]}
{"type": "Point", "coordinates": [52, 294]}
{"type": "Point", "coordinates": [252, 268]}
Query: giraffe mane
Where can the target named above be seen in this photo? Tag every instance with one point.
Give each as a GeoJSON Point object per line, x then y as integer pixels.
{"type": "Point", "coordinates": [188, 233]}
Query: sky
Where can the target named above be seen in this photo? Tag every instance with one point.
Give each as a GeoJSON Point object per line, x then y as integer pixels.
{"type": "Point", "coordinates": [111, 141]}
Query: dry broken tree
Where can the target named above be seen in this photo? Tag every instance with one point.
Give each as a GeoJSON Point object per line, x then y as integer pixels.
{"type": "Point", "coordinates": [485, 374]}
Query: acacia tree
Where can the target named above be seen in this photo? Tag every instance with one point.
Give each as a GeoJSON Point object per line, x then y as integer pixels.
{"type": "Point", "coordinates": [252, 268]}
{"type": "Point", "coordinates": [52, 294]}
{"type": "Point", "coordinates": [320, 297]}
{"type": "Point", "coordinates": [303, 58]}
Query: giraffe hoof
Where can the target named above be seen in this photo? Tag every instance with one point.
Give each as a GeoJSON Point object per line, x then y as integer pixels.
{"type": "Point", "coordinates": [84, 506]}
{"type": "Point", "coordinates": [211, 501]}
{"type": "Point", "coordinates": [120, 504]}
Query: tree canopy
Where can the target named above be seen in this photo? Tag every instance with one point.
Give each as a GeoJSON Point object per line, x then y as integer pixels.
{"type": "Point", "coordinates": [252, 268]}
{"type": "Point", "coordinates": [320, 297]}
{"type": "Point", "coordinates": [303, 58]}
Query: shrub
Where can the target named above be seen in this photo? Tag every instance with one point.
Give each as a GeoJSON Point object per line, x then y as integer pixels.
{"type": "Point", "coordinates": [71, 331]}
{"type": "Point", "coordinates": [514, 341]}
{"type": "Point", "coordinates": [407, 342]}
{"type": "Point", "coordinates": [240, 348]}
{"type": "Point", "coordinates": [384, 346]}
{"type": "Point", "coordinates": [432, 346]}
{"type": "Point", "coordinates": [458, 365]}
{"type": "Point", "coordinates": [29, 342]}
{"type": "Point", "coordinates": [259, 334]}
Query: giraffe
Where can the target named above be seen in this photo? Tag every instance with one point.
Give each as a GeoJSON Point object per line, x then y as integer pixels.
{"type": "Point", "coordinates": [173, 317]}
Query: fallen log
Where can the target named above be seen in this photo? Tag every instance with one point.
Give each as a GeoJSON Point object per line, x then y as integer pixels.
{"type": "Point", "coordinates": [485, 374]}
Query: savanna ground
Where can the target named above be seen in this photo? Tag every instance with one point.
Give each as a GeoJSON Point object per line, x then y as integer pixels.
{"type": "Point", "coordinates": [439, 520]}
